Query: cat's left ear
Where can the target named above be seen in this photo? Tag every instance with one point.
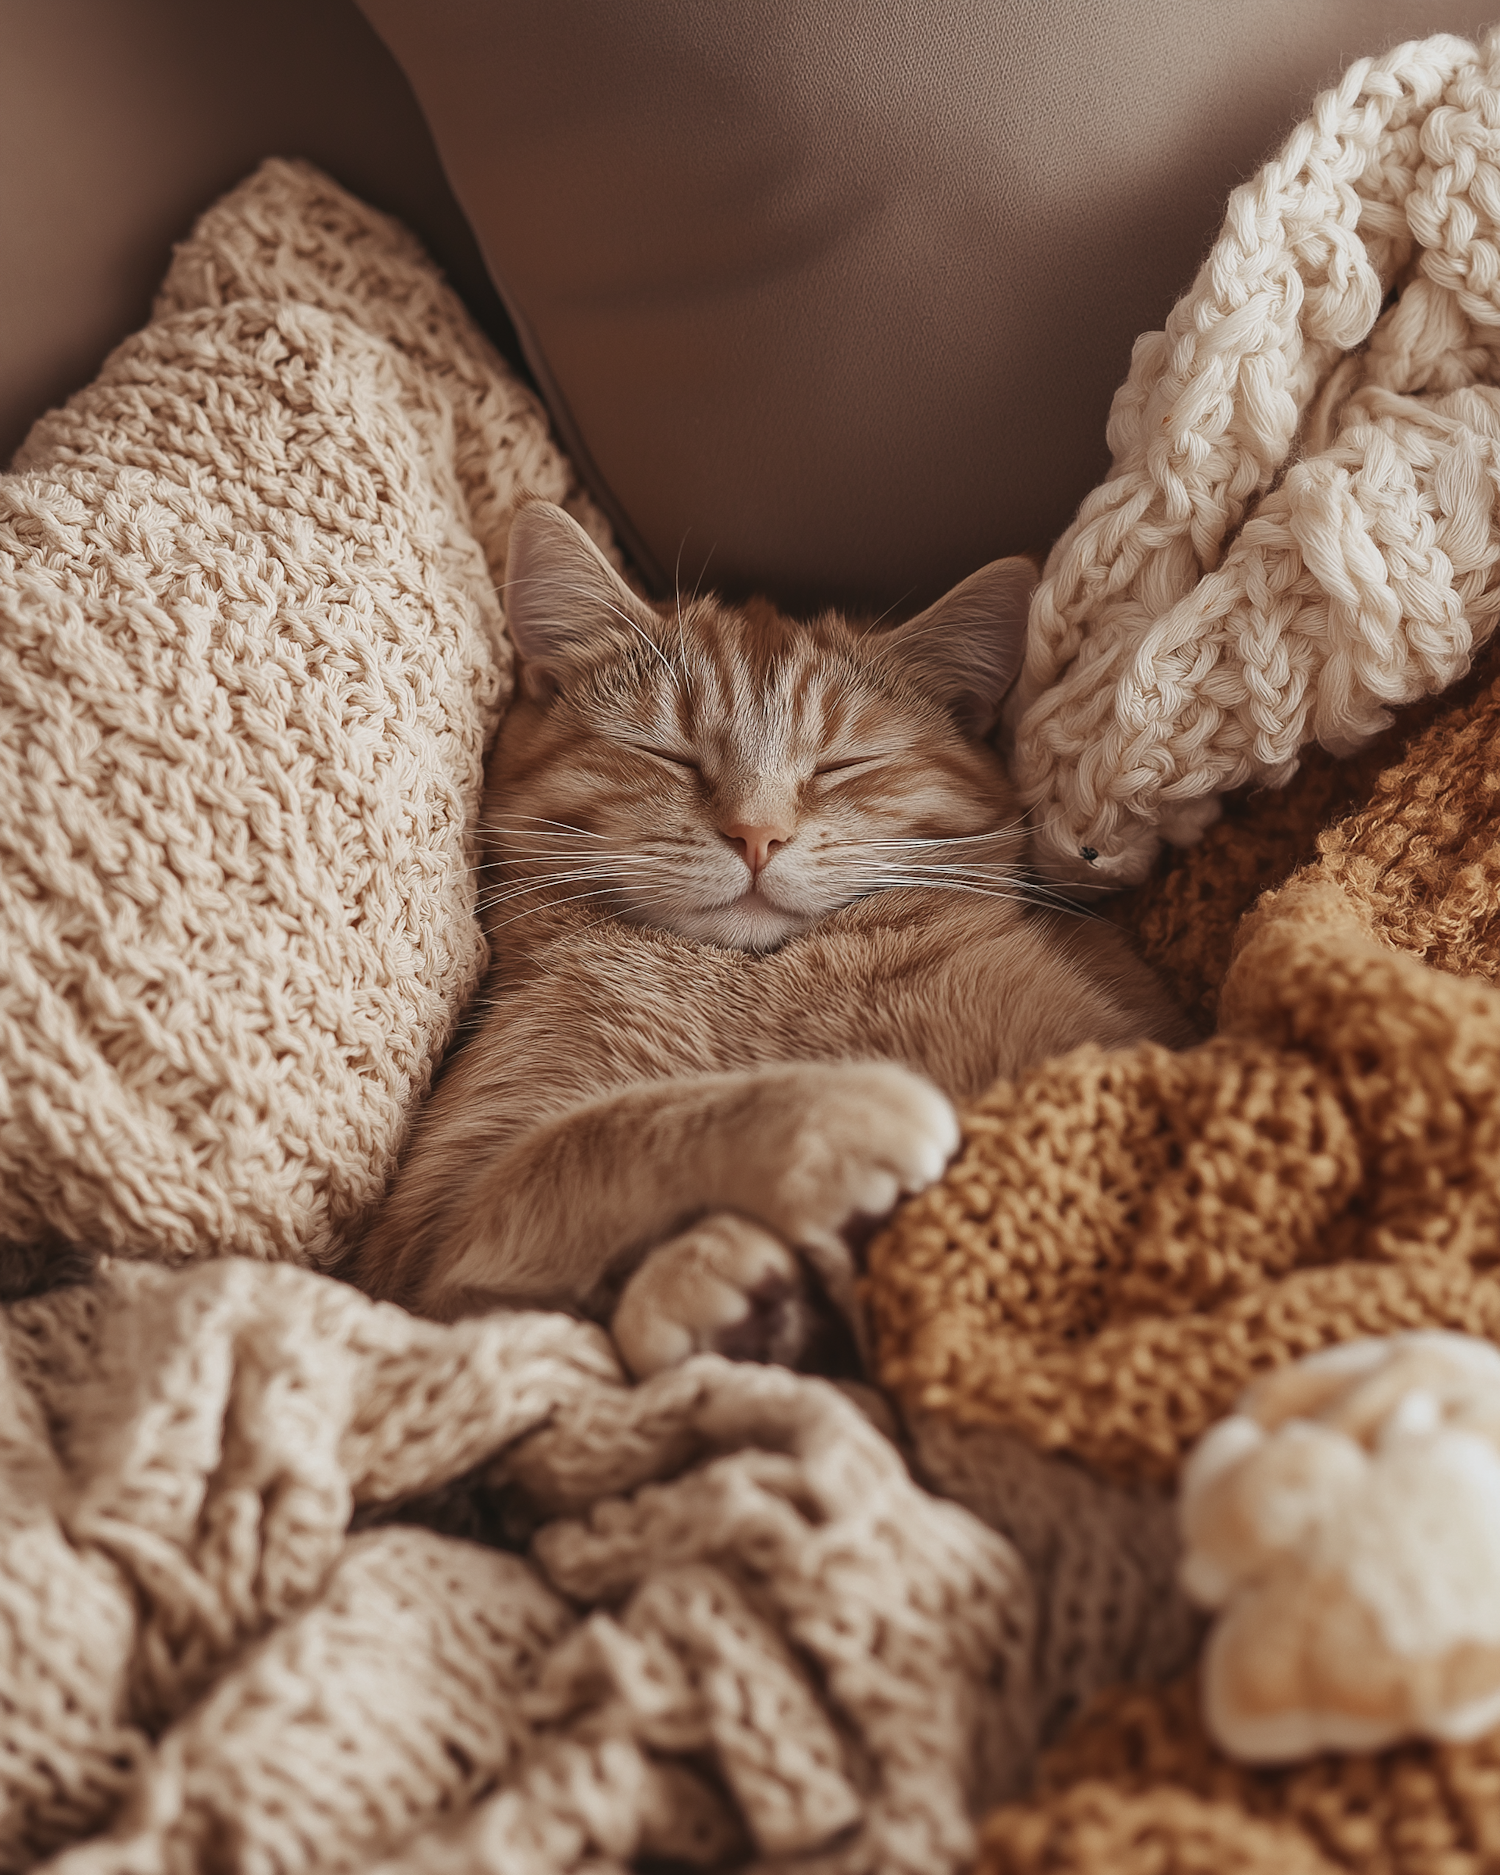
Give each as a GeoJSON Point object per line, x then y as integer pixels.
{"type": "Point", "coordinates": [564, 602]}
{"type": "Point", "coordinates": [967, 649]}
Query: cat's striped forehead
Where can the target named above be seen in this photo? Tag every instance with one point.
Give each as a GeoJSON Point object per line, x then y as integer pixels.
{"type": "Point", "coordinates": [736, 680]}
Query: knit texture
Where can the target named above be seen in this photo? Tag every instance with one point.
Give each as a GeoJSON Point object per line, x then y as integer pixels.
{"type": "Point", "coordinates": [252, 653]}
{"type": "Point", "coordinates": [1136, 1789]}
{"type": "Point", "coordinates": [1126, 1239]}
{"type": "Point", "coordinates": [736, 1626]}
{"type": "Point", "coordinates": [1298, 531]}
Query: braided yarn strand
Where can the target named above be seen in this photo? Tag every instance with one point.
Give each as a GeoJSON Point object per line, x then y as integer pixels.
{"type": "Point", "coordinates": [1296, 536]}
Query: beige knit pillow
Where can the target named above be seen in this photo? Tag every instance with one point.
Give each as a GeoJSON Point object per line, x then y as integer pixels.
{"type": "Point", "coordinates": [250, 654]}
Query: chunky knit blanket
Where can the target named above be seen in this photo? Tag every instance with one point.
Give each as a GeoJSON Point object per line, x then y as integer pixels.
{"type": "Point", "coordinates": [1296, 533]}
{"type": "Point", "coordinates": [291, 1580]}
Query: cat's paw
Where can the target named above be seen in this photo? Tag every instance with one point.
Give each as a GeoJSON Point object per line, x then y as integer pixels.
{"type": "Point", "coordinates": [726, 1286]}
{"type": "Point", "coordinates": [862, 1136]}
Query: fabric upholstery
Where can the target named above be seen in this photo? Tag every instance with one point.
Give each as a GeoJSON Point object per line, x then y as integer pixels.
{"type": "Point", "coordinates": [119, 125]}
{"type": "Point", "coordinates": [833, 297]}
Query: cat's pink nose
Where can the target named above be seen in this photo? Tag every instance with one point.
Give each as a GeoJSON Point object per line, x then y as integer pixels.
{"type": "Point", "coordinates": [756, 844]}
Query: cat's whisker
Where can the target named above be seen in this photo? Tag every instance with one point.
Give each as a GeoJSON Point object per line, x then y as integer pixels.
{"type": "Point", "coordinates": [546, 883]}
{"type": "Point", "coordinates": [541, 820]}
{"type": "Point", "coordinates": [880, 617]}
{"type": "Point", "coordinates": [681, 634]}
{"type": "Point", "coordinates": [531, 910]}
{"type": "Point", "coordinates": [1008, 829]}
{"type": "Point", "coordinates": [1018, 890]}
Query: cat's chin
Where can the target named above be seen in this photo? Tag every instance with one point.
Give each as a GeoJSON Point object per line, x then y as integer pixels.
{"type": "Point", "coordinates": [747, 923]}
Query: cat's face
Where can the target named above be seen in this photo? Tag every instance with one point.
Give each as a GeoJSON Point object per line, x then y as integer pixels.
{"type": "Point", "coordinates": [733, 776]}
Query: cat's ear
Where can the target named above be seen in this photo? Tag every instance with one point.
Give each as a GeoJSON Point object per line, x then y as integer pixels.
{"type": "Point", "coordinates": [563, 599]}
{"type": "Point", "coordinates": [967, 649]}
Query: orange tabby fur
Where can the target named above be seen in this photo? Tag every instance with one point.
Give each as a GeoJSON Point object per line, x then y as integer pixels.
{"type": "Point", "coordinates": [755, 901]}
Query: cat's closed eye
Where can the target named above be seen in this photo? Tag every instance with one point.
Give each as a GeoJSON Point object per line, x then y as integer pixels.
{"type": "Point", "coordinates": [670, 756]}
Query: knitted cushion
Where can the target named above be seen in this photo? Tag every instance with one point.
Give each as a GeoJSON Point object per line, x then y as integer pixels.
{"type": "Point", "coordinates": [251, 656]}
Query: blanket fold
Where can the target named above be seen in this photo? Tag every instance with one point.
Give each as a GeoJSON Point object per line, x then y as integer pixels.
{"type": "Point", "coordinates": [732, 1573]}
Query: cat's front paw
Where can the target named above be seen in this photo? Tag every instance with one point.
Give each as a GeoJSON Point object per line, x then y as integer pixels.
{"type": "Point", "coordinates": [725, 1286]}
{"type": "Point", "coordinates": [861, 1137]}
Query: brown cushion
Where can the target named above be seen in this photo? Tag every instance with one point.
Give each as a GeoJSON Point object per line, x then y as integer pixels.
{"type": "Point", "coordinates": [835, 297]}
{"type": "Point", "coordinates": [120, 124]}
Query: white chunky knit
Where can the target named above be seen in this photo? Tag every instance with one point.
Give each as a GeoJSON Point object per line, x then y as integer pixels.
{"type": "Point", "coordinates": [251, 652]}
{"type": "Point", "coordinates": [1299, 527]}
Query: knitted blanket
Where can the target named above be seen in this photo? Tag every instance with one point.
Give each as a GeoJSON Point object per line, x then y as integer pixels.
{"type": "Point", "coordinates": [1295, 534]}
{"type": "Point", "coordinates": [1128, 1240]}
{"type": "Point", "coordinates": [293, 1580]}
{"type": "Point", "coordinates": [712, 1616]}
{"type": "Point", "coordinates": [252, 653]}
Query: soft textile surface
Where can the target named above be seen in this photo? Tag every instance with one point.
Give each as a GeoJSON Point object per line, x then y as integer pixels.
{"type": "Point", "coordinates": [1126, 1239]}
{"type": "Point", "coordinates": [250, 657]}
{"type": "Point", "coordinates": [1299, 527]}
{"type": "Point", "coordinates": [1137, 1789]}
{"type": "Point", "coordinates": [733, 1588]}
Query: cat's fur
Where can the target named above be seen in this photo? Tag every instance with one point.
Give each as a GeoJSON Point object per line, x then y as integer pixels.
{"type": "Point", "coordinates": [754, 899]}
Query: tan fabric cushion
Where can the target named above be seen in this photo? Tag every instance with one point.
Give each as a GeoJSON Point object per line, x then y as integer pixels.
{"type": "Point", "coordinates": [834, 297]}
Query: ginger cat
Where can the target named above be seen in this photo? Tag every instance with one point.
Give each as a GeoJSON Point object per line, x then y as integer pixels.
{"type": "Point", "coordinates": [757, 916]}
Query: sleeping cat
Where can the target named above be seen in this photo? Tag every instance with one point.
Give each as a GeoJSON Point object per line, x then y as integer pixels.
{"type": "Point", "coordinates": [755, 898]}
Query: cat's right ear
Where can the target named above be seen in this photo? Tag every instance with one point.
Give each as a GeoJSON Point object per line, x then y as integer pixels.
{"type": "Point", "coordinates": [968, 649]}
{"type": "Point", "coordinates": [563, 599]}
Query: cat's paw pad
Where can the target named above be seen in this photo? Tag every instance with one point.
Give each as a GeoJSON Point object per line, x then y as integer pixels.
{"type": "Point", "coordinates": [726, 1286]}
{"type": "Point", "coordinates": [872, 1134]}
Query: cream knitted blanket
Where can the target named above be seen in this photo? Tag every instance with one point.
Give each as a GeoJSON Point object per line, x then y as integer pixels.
{"type": "Point", "coordinates": [252, 652]}
{"type": "Point", "coordinates": [736, 1613]}
{"type": "Point", "coordinates": [1298, 528]}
